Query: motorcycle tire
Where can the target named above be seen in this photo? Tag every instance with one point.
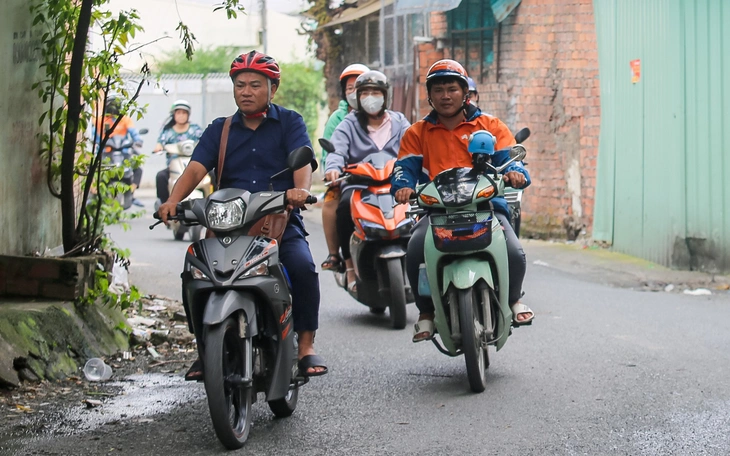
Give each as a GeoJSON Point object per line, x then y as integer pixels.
{"type": "Point", "coordinates": [516, 221]}
{"type": "Point", "coordinates": [127, 200]}
{"type": "Point", "coordinates": [179, 234]}
{"type": "Point", "coordinates": [195, 233]}
{"type": "Point", "coordinates": [397, 301]}
{"type": "Point", "coordinates": [471, 324]}
{"type": "Point", "coordinates": [230, 405]}
{"type": "Point", "coordinates": [285, 406]}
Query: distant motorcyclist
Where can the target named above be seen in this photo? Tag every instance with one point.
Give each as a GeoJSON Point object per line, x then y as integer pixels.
{"type": "Point", "coordinates": [125, 127]}
{"type": "Point", "coordinates": [177, 129]}
{"type": "Point", "coordinates": [371, 128]}
{"type": "Point", "coordinates": [473, 92]}
{"type": "Point", "coordinates": [332, 195]}
{"type": "Point", "coordinates": [437, 143]}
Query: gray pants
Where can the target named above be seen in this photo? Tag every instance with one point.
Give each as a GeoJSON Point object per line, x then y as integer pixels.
{"type": "Point", "coordinates": [515, 254]}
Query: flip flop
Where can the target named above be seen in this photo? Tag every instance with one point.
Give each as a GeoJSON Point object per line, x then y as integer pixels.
{"type": "Point", "coordinates": [195, 373]}
{"type": "Point", "coordinates": [519, 308]}
{"type": "Point", "coordinates": [309, 362]}
{"type": "Point", "coordinates": [332, 263]}
{"type": "Point", "coordinates": [423, 326]}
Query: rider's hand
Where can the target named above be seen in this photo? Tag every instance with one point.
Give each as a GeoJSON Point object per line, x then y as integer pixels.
{"type": "Point", "coordinates": [296, 197]}
{"type": "Point", "coordinates": [332, 176]}
{"type": "Point", "coordinates": [167, 210]}
{"type": "Point", "coordinates": [404, 195]}
{"type": "Point", "coordinates": [158, 148]}
{"type": "Point", "coordinates": [515, 179]}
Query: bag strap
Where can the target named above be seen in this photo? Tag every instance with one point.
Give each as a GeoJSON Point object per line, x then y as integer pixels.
{"type": "Point", "coordinates": [222, 150]}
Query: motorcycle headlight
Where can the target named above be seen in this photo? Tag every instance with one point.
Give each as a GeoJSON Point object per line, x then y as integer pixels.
{"type": "Point", "coordinates": [258, 270]}
{"type": "Point", "coordinates": [198, 274]}
{"type": "Point", "coordinates": [373, 230]}
{"type": "Point", "coordinates": [404, 227]}
{"type": "Point", "coordinates": [456, 192]}
{"type": "Point", "coordinates": [226, 215]}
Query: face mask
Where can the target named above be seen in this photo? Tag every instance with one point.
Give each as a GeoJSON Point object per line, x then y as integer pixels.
{"type": "Point", "coordinates": [372, 104]}
{"type": "Point", "coordinates": [352, 100]}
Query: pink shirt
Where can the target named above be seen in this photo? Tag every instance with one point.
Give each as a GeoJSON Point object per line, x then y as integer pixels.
{"type": "Point", "coordinates": [381, 135]}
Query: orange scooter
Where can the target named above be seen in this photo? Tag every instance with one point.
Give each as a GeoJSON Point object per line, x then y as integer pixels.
{"type": "Point", "coordinates": [378, 245]}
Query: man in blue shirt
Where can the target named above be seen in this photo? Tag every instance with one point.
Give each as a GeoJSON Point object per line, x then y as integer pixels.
{"type": "Point", "coordinates": [261, 137]}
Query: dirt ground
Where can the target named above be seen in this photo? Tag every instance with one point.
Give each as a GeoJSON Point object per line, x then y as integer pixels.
{"type": "Point", "coordinates": [163, 346]}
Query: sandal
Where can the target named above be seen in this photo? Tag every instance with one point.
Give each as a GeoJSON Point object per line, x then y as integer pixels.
{"type": "Point", "coordinates": [332, 263]}
{"type": "Point", "coordinates": [351, 286]}
{"type": "Point", "coordinates": [423, 326]}
{"type": "Point", "coordinates": [195, 373]}
{"type": "Point", "coordinates": [309, 362]}
{"type": "Point", "coordinates": [519, 308]}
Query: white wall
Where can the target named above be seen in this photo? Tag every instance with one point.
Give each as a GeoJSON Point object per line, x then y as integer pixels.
{"type": "Point", "coordinates": [30, 216]}
{"type": "Point", "coordinates": [211, 29]}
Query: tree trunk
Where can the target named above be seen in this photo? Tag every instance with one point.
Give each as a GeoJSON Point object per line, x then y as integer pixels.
{"type": "Point", "coordinates": [68, 153]}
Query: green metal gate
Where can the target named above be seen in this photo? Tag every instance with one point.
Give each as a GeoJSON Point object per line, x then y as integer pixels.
{"type": "Point", "coordinates": [663, 184]}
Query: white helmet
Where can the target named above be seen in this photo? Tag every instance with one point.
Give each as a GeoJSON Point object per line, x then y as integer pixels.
{"type": "Point", "coordinates": [180, 104]}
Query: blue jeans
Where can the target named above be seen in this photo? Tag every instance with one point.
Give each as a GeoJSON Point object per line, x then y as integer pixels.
{"type": "Point", "coordinates": [296, 257]}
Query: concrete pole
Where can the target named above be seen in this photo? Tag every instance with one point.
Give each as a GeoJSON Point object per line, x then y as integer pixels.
{"type": "Point", "coordinates": [264, 38]}
{"type": "Point", "coordinates": [382, 35]}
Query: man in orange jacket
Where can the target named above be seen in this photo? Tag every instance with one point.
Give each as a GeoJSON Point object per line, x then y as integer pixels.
{"type": "Point", "coordinates": [437, 143]}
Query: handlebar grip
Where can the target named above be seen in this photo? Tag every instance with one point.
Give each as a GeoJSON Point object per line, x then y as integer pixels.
{"type": "Point", "coordinates": [311, 199]}
{"type": "Point", "coordinates": [156, 216]}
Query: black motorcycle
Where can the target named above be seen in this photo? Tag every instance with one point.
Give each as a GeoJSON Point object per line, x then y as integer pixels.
{"type": "Point", "coordinates": [238, 300]}
{"type": "Point", "coordinates": [117, 155]}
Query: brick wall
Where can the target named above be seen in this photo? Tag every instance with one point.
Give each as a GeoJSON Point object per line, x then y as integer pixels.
{"type": "Point", "coordinates": [51, 278]}
{"type": "Point", "coordinates": [548, 81]}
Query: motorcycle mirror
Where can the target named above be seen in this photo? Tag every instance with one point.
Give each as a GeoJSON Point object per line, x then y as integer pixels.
{"type": "Point", "coordinates": [518, 152]}
{"type": "Point", "coordinates": [300, 157]}
{"type": "Point", "coordinates": [522, 135]}
{"type": "Point", "coordinates": [327, 145]}
{"type": "Point", "coordinates": [144, 131]}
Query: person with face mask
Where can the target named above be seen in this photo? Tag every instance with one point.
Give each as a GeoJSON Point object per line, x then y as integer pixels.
{"type": "Point", "coordinates": [332, 195]}
{"type": "Point", "coordinates": [371, 128]}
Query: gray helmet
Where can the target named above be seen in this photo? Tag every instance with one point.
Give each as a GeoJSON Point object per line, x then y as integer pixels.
{"type": "Point", "coordinates": [374, 80]}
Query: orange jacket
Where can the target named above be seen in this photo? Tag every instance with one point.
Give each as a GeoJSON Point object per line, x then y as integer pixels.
{"type": "Point", "coordinates": [124, 127]}
{"type": "Point", "coordinates": [427, 148]}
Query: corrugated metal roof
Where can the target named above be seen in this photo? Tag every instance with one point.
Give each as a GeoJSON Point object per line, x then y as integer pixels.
{"type": "Point", "coordinates": [353, 14]}
{"type": "Point", "coordinates": [502, 8]}
{"type": "Point", "coordinates": [424, 6]}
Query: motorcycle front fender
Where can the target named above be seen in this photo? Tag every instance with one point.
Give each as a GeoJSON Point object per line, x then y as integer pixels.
{"type": "Point", "coordinates": [392, 251]}
{"type": "Point", "coordinates": [465, 272]}
{"type": "Point", "coordinates": [223, 304]}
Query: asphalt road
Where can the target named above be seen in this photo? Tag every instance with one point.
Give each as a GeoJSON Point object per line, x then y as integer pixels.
{"type": "Point", "coordinates": [602, 371]}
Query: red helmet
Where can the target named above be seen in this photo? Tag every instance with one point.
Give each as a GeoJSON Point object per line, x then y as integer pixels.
{"type": "Point", "coordinates": [447, 68]}
{"type": "Point", "coordinates": [256, 62]}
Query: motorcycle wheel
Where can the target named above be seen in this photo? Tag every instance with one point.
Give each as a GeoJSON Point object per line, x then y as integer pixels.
{"type": "Point", "coordinates": [286, 405]}
{"type": "Point", "coordinates": [397, 302]}
{"type": "Point", "coordinates": [127, 200]}
{"type": "Point", "coordinates": [179, 234]}
{"type": "Point", "coordinates": [230, 405]}
{"type": "Point", "coordinates": [470, 321]}
{"type": "Point", "coordinates": [516, 221]}
{"type": "Point", "coordinates": [195, 233]}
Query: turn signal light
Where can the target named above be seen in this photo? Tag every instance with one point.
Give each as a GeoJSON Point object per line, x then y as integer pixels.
{"type": "Point", "coordinates": [486, 192]}
{"type": "Point", "coordinates": [430, 200]}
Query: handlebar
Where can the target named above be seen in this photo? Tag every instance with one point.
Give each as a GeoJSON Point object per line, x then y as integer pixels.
{"type": "Point", "coordinates": [180, 212]}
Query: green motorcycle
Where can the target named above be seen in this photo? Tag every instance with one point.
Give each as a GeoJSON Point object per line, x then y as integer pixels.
{"type": "Point", "coordinates": [465, 269]}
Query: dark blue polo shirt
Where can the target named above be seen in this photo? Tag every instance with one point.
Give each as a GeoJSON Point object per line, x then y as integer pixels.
{"type": "Point", "coordinates": [253, 156]}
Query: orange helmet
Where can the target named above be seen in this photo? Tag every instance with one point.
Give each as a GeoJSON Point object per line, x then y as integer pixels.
{"type": "Point", "coordinates": [356, 69]}
{"type": "Point", "coordinates": [447, 68]}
